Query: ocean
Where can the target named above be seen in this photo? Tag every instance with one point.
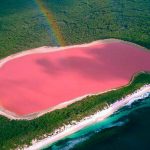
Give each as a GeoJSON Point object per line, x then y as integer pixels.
{"type": "Point", "coordinates": [128, 128]}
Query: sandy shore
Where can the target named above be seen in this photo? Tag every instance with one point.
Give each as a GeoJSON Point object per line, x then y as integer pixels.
{"type": "Point", "coordinates": [97, 117]}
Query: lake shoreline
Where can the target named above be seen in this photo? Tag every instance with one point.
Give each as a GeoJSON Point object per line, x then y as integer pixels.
{"type": "Point", "coordinates": [46, 49]}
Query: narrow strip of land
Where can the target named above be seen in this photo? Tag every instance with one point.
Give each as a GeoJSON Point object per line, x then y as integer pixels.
{"type": "Point", "coordinates": [97, 117]}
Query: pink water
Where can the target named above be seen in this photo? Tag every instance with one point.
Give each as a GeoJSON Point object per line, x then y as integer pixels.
{"type": "Point", "coordinates": [38, 81]}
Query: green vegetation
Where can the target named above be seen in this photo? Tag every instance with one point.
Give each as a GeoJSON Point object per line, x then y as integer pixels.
{"type": "Point", "coordinates": [17, 133]}
{"type": "Point", "coordinates": [88, 20]}
{"type": "Point", "coordinates": [23, 26]}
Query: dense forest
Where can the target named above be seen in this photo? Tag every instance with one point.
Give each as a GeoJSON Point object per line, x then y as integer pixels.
{"type": "Point", "coordinates": [17, 133]}
{"type": "Point", "coordinates": [24, 26]}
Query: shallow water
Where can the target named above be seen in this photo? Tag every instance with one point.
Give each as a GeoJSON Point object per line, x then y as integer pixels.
{"type": "Point", "coordinates": [128, 128]}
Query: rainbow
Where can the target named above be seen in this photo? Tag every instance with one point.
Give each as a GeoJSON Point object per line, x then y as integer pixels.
{"type": "Point", "coordinates": [51, 22]}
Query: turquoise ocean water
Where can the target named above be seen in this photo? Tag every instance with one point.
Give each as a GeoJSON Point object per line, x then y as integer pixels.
{"type": "Point", "coordinates": [128, 128]}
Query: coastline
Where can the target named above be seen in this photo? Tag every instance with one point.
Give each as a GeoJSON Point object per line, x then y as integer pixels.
{"type": "Point", "coordinates": [74, 126]}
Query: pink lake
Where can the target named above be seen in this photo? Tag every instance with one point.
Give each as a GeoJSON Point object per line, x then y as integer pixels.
{"type": "Point", "coordinates": [35, 82]}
